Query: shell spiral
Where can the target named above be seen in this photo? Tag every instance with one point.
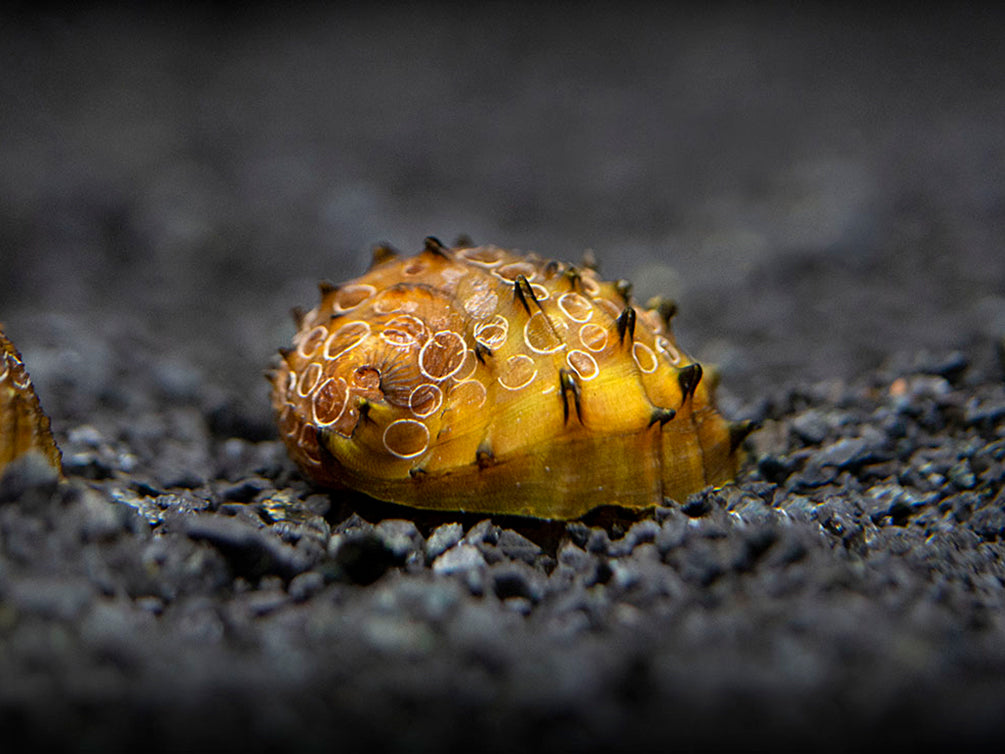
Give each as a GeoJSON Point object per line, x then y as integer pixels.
{"type": "Point", "coordinates": [472, 378]}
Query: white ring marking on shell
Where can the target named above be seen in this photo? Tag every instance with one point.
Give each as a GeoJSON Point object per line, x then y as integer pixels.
{"type": "Point", "coordinates": [351, 290]}
{"type": "Point", "coordinates": [642, 348]}
{"type": "Point", "coordinates": [590, 364]}
{"type": "Point", "coordinates": [460, 363]}
{"type": "Point", "coordinates": [552, 327]}
{"type": "Point", "coordinates": [312, 376]}
{"type": "Point", "coordinates": [345, 401]}
{"type": "Point", "coordinates": [355, 324]}
{"type": "Point", "coordinates": [437, 400]}
{"type": "Point", "coordinates": [398, 423]}
{"type": "Point", "coordinates": [312, 342]}
{"type": "Point", "coordinates": [521, 357]}
{"type": "Point", "coordinates": [470, 254]}
{"type": "Point", "coordinates": [573, 300]}
{"type": "Point", "coordinates": [456, 395]}
{"type": "Point", "coordinates": [590, 341]}
{"type": "Point", "coordinates": [664, 346]}
{"type": "Point", "coordinates": [492, 342]}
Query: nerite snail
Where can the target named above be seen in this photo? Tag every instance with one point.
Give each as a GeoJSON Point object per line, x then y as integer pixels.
{"type": "Point", "coordinates": [471, 378]}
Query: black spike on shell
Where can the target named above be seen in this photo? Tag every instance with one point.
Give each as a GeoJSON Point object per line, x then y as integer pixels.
{"type": "Point", "coordinates": [569, 385]}
{"type": "Point", "coordinates": [574, 276]}
{"type": "Point", "coordinates": [325, 287]}
{"type": "Point", "coordinates": [298, 313]}
{"type": "Point", "coordinates": [433, 245]}
{"type": "Point", "coordinates": [661, 415]}
{"type": "Point", "coordinates": [626, 324]}
{"type": "Point", "coordinates": [464, 241]}
{"type": "Point", "coordinates": [482, 352]}
{"type": "Point", "coordinates": [523, 293]}
{"type": "Point", "coordinates": [688, 378]}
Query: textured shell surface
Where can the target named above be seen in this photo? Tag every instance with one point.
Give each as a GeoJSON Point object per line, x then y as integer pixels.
{"type": "Point", "coordinates": [24, 427]}
{"type": "Point", "coordinates": [472, 378]}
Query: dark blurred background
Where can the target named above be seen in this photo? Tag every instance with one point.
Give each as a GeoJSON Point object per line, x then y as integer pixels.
{"type": "Point", "coordinates": [819, 188]}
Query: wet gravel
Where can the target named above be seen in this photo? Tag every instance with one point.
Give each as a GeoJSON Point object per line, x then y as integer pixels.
{"type": "Point", "coordinates": [849, 584]}
{"type": "Point", "coordinates": [168, 195]}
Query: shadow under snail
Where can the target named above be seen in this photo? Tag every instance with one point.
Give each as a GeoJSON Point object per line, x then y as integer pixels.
{"type": "Point", "coordinates": [474, 379]}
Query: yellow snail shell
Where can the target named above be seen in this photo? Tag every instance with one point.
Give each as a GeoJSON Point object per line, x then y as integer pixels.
{"type": "Point", "coordinates": [472, 378]}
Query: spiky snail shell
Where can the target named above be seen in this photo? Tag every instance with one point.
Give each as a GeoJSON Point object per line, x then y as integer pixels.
{"type": "Point", "coordinates": [475, 379]}
{"type": "Point", "coordinates": [24, 427]}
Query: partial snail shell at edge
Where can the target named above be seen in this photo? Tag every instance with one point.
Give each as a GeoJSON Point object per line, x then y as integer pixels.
{"type": "Point", "coordinates": [24, 427]}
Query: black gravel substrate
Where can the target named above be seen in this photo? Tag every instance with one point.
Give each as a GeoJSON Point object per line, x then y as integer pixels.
{"type": "Point", "coordinates": [822, 192]}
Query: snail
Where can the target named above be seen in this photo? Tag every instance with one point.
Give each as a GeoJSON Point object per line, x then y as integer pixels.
{"type": "Point", "coordinates": [472, 378]}
{"type": "Point", "coordinates": [24, 427]}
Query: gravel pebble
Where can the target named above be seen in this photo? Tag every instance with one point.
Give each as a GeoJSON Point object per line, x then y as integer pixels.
{"type": "Point", "coordinates": [442, 539]}
{"type": "Point", "coordinates": [599, 542]}
{"type": "Point", "coordinates": [459, 559]}
{"type": "Point", "coordinates": [400, 537]}
{"type": "Point", "coordinates": [515, 546]}
{"type": "Point", "coordinates": [53, 596]}
{"type": "Point", "coordinates": [303, 586]}
{"type": "Point", "coordinates": [362, 556]}
{"type": "Point", "coordinates": [250, 550]}
{"type": "Point", "coordinates": [811, 427]}
{"type": "Point", "coordinates": [516, 579]}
